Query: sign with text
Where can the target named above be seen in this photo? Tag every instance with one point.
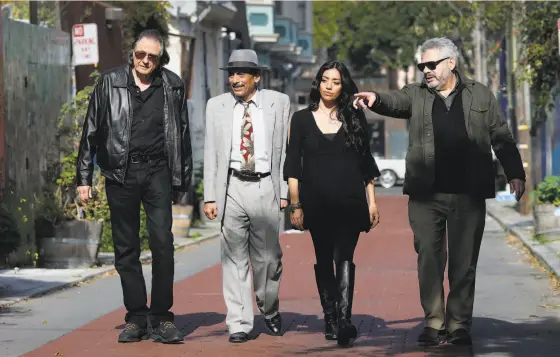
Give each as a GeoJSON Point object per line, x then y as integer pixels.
{"type": "Point", "coordinates": [85, 47]}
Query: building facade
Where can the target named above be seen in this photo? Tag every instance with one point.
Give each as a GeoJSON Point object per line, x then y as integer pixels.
{"type": "Point", "coordinates": [281, 33]}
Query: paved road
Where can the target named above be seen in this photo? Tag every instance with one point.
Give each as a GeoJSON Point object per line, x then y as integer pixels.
{"type": "Point", "coordinates": [516, 314]}
{"type": "Point", "coordinates": [29, 325]}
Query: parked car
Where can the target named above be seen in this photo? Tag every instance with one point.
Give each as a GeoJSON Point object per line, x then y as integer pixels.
{"type": "Point", "coordinates": [392, 171]}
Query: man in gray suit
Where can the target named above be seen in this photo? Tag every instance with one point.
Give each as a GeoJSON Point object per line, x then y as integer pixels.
{"type": "Point", "coordinates": [244, 152]}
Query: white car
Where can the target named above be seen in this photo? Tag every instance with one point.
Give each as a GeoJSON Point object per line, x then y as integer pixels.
{"type": "Point", "coordinates": [392, 171]}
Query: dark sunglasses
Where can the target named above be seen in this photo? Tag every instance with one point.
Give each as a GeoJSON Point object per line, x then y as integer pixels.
{"type": "Point", "coordinates": [142, 54]}
{"type": "Point", "coordinates": [431, 65]}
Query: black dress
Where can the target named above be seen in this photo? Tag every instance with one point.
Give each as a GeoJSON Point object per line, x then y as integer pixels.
{"type": "Point", "coordinates": [332, 176]}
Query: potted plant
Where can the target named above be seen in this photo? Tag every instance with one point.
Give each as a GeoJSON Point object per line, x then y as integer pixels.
{"type": "Point", "coordinates": [546, 211]}
{"type": "Point", "coordinates": [69, 233]}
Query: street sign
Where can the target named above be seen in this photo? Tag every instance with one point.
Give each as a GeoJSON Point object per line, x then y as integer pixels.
{"type": "Point", "coordinates": [85, 47]}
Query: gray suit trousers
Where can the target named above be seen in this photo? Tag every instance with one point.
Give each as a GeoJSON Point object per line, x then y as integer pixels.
{"type": "Point", "coordinates": [250, 233]}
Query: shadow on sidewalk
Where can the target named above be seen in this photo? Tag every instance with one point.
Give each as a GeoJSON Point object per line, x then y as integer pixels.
{"type": "Point", "coordinates": [12, 311]}
{"type": "Point", "coordinates": [188, 323]}
{"type": "Point", "coordinates": [14, 288]}
{"type": "Point", "coordinates": [540, 338]}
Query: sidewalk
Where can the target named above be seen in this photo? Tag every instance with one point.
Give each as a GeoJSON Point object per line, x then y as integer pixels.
{"type": "Point", "coordinates": [515, 312]}
{"type": "Point", "coordinates": [386, 306]}
{"type": "Point", "coordinates": [548, 253]}
{"type": "Point", "coordinates": [22, 284]}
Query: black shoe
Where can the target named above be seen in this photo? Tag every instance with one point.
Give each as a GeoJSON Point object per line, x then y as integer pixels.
{"type": "Point", "coordinates": [430, 336]}
{"type": "Point", "coordinates": [238, 337]}
{"type": "Point", "coordinates": [166, 332]}
{"type": "Point", "coordinates": [460, 337]}
{"type": "Point", "coordinates": [324, 276]}
{"type": "Point", "coordinates": [274, 325]}
{"type": "Point", "coordinates": [133, 333]}
{"type": "Point", "coordinates": [345, 275]}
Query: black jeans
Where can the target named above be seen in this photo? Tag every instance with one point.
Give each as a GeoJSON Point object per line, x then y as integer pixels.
{"type": "Point", "coordinates": [336, 245]}
{"type": "Point", "coordinates": [149, 184]}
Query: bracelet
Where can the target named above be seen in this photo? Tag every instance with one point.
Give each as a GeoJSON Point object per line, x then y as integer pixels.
{"type": "Point", "coordinates": [295, 206]}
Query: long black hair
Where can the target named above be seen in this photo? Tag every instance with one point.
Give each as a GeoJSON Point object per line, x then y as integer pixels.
{"type": "Point", "coordinates": [353, 120]}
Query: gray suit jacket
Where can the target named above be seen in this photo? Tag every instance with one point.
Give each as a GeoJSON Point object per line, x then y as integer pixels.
{"type": "Point", "coordinates": [217, 143]}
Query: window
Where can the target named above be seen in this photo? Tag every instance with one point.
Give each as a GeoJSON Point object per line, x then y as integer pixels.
{"type": "Point", "coordinates": [280, 30]}
{"type": "Point", "coordinates": [258, 19]}
{"type": "Point", "coordinates": [303, 44]}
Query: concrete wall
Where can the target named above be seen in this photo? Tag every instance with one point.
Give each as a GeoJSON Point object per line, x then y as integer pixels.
{"type": "Point", "coordinates": [299, 11]}
{"type": "Point", "coordinates": [37, 82]}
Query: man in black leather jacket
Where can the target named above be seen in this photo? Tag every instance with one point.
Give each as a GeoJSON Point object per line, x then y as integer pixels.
{"type": "Point", "coordinates": [136, 129]}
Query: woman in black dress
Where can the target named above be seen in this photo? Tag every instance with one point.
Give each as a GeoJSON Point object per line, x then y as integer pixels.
{"type": "Point", "coordinates": [329, 169]}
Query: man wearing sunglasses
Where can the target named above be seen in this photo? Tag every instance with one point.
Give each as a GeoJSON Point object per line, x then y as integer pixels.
{"type": "Point", "coordinates": [454, 123]}
{"type": "Point", "coordinates": [136, 129]}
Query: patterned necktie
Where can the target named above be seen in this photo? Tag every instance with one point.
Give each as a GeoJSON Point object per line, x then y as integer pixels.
{"type": "Point", "coordinates": [247, 148]}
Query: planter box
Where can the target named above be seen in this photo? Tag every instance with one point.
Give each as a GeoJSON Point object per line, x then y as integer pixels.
{"type": "Point", "coordinates": [182, 220]}
{"type": "Point", "coordinates": [547, 222]}
{"type": "Point", "coordinates": [73, 244]}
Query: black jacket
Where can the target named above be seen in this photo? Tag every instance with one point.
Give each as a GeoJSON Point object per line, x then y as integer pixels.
{"type": "Point", "coordinates": [106, 130]}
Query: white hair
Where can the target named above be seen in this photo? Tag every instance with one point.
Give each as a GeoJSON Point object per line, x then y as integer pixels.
{"type": "Point", "coordinates": [446, 47]}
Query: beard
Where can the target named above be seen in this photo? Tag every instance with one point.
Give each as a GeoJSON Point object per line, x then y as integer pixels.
{"type": "Point", "coordinates": [438, 81]}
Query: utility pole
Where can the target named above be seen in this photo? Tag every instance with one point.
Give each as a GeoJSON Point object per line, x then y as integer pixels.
{"type": "Point", "coordinates": [478, 48]}
{"type": "Point", "coordinates": [58, 14]}
{"type": "Point", "coordinates": [522, 113]}
{"type": "Point", "coordinates": [510, 77]}
{"type": "Point", "coordinates": [33, 13]}
{"type": "Point", "coordinates": [2, 110]}
{"type": "Point", "coordinates": [484, 55]}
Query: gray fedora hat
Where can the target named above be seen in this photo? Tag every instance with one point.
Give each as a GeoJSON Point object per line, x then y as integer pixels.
{"type": "Point", "coordinates": [246, 59]}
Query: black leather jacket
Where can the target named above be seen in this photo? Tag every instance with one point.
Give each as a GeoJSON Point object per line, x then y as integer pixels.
{"type": "Point", "coordinates": [106, 130]}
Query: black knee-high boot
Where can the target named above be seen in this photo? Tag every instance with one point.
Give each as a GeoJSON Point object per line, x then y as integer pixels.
{"type": "Point", "coordinates": [324, 276]}
{"type": "Point", "coordinates": [345, 274]}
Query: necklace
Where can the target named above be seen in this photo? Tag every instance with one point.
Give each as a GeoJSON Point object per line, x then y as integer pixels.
{"type": "Point", "coordinates": [329, 116]}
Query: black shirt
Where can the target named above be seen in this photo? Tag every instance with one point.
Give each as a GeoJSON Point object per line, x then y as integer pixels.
{"type": "Point", "coordinates": [332, 176]}
{"type": "Point", "coordinates": [147, 132]}
{"type": "Point", "coordinates": [451, 143]}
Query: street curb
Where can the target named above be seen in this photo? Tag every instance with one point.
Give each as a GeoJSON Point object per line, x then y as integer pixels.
{"type": "Point", "coordinates": [546, 256]}
{"type": "Point", "coordinates": [145, 257]}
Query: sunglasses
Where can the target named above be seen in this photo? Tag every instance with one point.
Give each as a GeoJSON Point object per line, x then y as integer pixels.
{"type": "Point", "coordinates": [431, 65]}
{"type": "Point", "coordinates": [142, 54]}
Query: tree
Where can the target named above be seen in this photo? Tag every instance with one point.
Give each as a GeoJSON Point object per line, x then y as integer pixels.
{"type": "Point", "coordinates": [46, 11]}
{"type": "Point", "coordinates": [141, 15]}
{"type": "Point", "coordinates": [327, 17]}
{"type": "Point", "coordinates": [540, 58]}
{"type": "Point", "coordinates": [375, 34]}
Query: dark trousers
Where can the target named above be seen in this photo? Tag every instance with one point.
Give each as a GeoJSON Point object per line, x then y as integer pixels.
{"type": "Point", "coordinates": [149, 184]}
{"type": "Point", "coordinates": [462, 217]}
{"type": "Point", "coordinates": [334, 245]}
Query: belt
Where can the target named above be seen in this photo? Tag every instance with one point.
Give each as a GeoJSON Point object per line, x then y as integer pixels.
{"type": "Point", "coordinates": [138, 159]}
{"type": "Point", "coordinates": [248, 175]}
